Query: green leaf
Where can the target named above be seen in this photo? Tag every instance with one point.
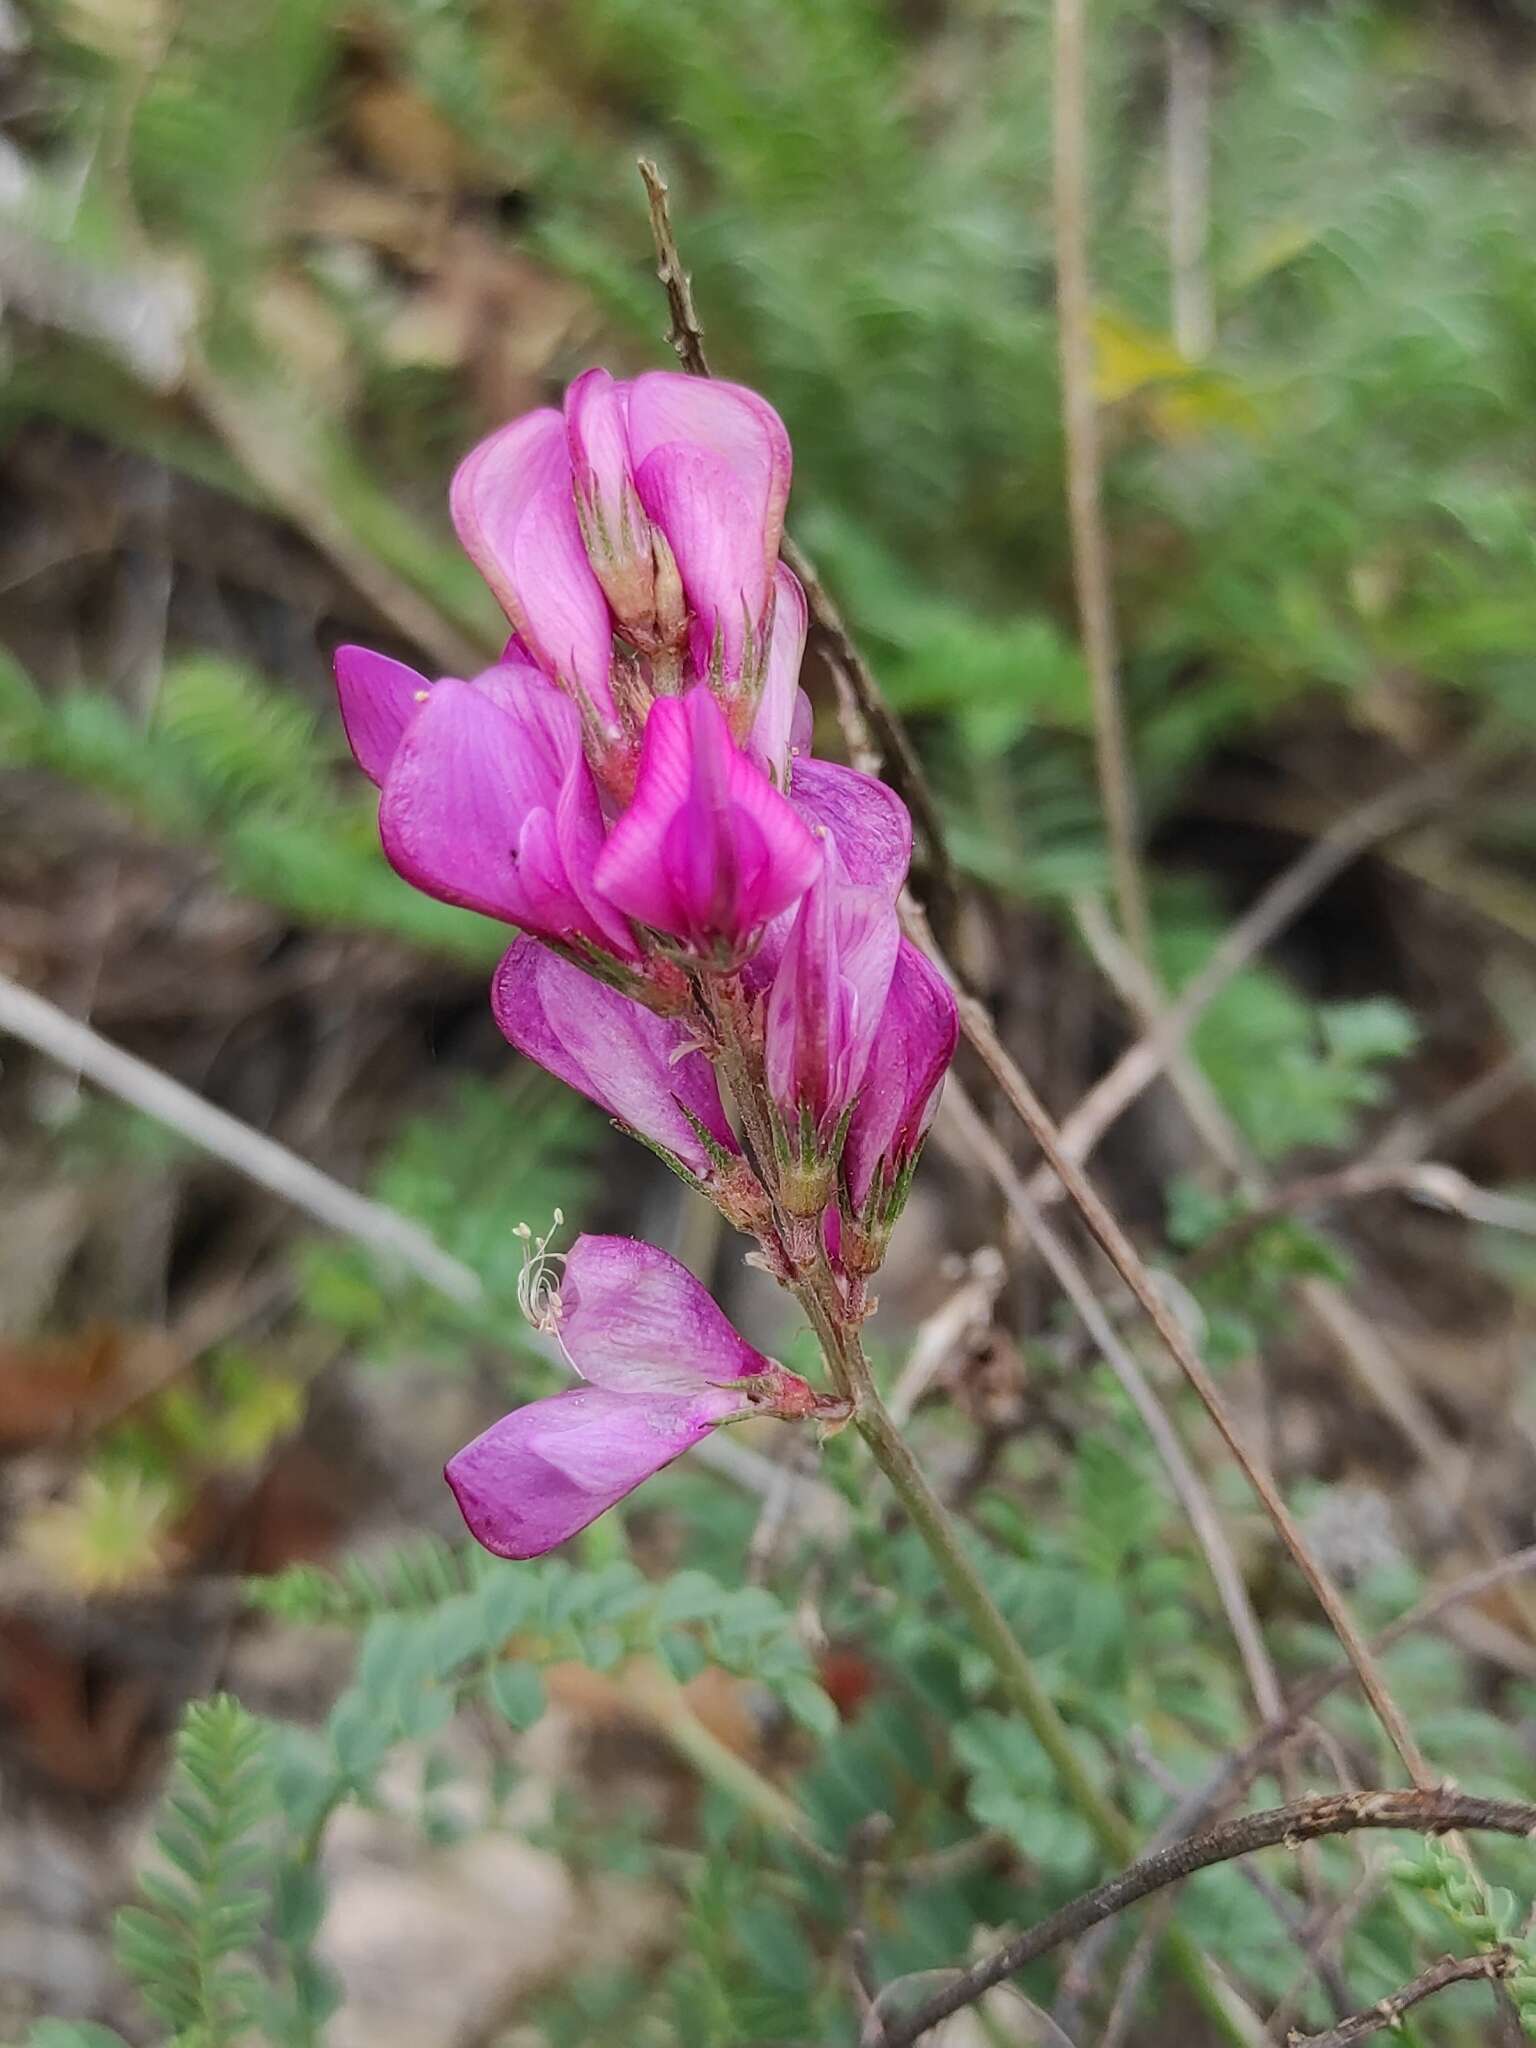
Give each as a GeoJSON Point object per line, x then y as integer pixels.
{"type": "Point", "coordinates": [516, 1691]}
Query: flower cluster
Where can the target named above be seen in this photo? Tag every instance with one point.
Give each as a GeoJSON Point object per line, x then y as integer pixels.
{"type": "Point", "coordinates": [701, 901]}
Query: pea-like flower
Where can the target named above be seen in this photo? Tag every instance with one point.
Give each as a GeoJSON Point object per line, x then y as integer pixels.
{"type": "Point", "coordinates": [652, 509]}
{"type": "Point", "coordinates": [663, 1368]}
{"type": "Point", "coordinates": [708, 850]}
{"type": "Point", "coordinates": [823, 1011]}
{"type": "Point", "coordinates": [642, 1069]}
{"type": "Point", "coordinates": [899, 1096]}
{"type": "Point", "coordinates": [486, 797]}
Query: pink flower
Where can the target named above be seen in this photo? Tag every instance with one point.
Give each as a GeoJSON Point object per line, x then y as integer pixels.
{"type": "Point", "coordinates": [639, 1067]}
{"type": "Point", "coordinates": [488, 802]}
{"type": "Point", "coordinates": [712, 467]}
{"type": "Point", "coordinates": [514, 507]}
{"type": "Point", "coordinates": [912, 1050]}
{"type": "Point", "coordinates": [654, 506]}
{"type": "Point", "coordinates": [866, 817]}
{"type": "Point", "coordinates": [708, 850]}
{"type": "Point", "coordinates": [379, 698]}
{"type": "Point", "coordinates": [825, 1004]}
{"type": "Point", "coordinates": [663, 1368]}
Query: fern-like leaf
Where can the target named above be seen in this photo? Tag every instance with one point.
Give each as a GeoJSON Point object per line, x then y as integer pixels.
{"type": "Point", "coordinates": [183, 1946]}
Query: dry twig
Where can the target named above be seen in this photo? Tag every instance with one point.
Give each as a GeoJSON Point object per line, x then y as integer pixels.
{"type": "Point", "coordinates": [1286, 897]}
{"type": "Point", "coordinates": [1487, 1968]}
{"type": "Point", "coordinates": [1085, 511]}
{"type": "Point", "coordinates": [1436, 1810]}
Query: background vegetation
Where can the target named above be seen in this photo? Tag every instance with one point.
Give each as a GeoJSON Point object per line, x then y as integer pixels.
{"type": "Point", "coordinates": [265, 270]}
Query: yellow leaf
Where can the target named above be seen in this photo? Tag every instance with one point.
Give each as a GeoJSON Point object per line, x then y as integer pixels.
{"type": "Point", "coordinates": [1181, 399]}
{"type": "Point", "coordinates": [112, 1533]}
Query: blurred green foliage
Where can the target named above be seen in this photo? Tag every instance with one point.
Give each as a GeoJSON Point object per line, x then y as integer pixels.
{"type": "Point", "coordinates": [1336, 507]}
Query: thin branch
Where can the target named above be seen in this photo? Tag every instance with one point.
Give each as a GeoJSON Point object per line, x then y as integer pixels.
{"type": "Point", "coordinates": [1188, 130]}
{"type": "Point", "coordinates": [1128, 1263]}
{"type": "Point", "coordinates": [1085, 509]}
{"type": "Point", "coordinates": [685, 334]}
{"type": "Point", "coordinates": [1134, 1976]}
{"type": "Point", "coordinates": [1488, 1968]}
{"type": "Point", "coordinates": [1414, 1134]}
{"type": "Point", "coordinates": [1435, 1185]}
{"type": "Point", "coordinates": [52, 1032]}
{"type": "Point", "coordinates": [1239, 1771]}
{"type": "Point", "coordinates": [887, 737]}
{"type": "Point", "coordinates": [1436, 1810]}
{"type": "Point", "coordinates": [1189, 1489]}
{"type": "Point", "coordinates": [1286, 897]}
{"type": "Point", "coordinates": [964, 1314]}
{"type": "Point", "coordinates": [1358, 1340]}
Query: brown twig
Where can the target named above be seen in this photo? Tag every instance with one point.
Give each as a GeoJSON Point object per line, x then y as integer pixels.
{"type": "Point", "coordinates": [887, 739]}
{"type": "Point", "coordinates": [1440, 1187]}
{"type": "Point", "coordinates": [1357, 1341]}
{"type": "Point", "coordinates": [1325, 859]}
{"type": "Point", "coordinates": [685, 334]}
{"type": "Point", "coordinates": [1189, 1489]}
{"type": "Point", "coordinates": [1085, 509]}
{"type": "Point", "coordinates": [1489, 1967]}
{"type": "Point", "coordinates": [1188, 132]}
{"type": "Point", "coordinates": [1436, 1810]}
{"type": "Point", "coordinates": [1128, 1263]}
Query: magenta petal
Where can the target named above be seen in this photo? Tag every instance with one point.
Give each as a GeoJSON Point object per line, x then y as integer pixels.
{"type": "Point", "coordinates": [714, 528]}
{"type": "Point", "coordinates": [708, 850]}
{"type": "Point", "coordinates": [634, 1318]}
{"type": "Point", "coordinates": [868, 820]}
{"type": "Point", "coordinates": [544, 1472]}
{"type": "Point", "coordinates": [513, 506]}
{"type": "Point", "coordinates": [712, 465]}
{"type": "Point", "coordinates": [489, 803]}
{"type": "Point", "coordinates": [912, 1050]}
{"type": "Point", "coordinates": [827, 996]}
{"type": "Point", "coordinates": [611, 1049]}
{"type": "Point", "coordinates": [773, 728]}
{"type": "Point", "coordinates": [728, 420]}
{"type": "Point", "coordinates": [379, 698]}
{"type": "Point", "coordinates": [609, 514]}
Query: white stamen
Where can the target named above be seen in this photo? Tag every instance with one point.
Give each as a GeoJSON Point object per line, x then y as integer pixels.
{"type": "Point", "coordinates": [538, 1286]}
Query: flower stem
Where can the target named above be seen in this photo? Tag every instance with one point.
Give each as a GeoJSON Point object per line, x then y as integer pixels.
{"type": "Point", "coordinates": [1015, 1671]}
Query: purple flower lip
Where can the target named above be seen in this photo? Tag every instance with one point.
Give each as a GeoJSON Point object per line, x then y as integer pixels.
{"type": "Point", "coordinates": [918, 1032]}
{"type": "Point", "coordinates": [488, 802]}
{"type": "Point", "coordinates": [642, 1069]}
{"type": "Point", "coordinates": [663, 1367]}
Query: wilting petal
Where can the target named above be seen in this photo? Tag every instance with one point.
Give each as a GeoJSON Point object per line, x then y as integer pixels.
{"type": "Point", "coordinates": [827, 997]}
{"type": "Point", "coordinates": [708, 850]}
{"type": "Point", "coordinates": [773, 728]}
{"type": "Point", "coordinates": [712, 467]}
{"type": "Point", "coordinates": [379, 698]}
{"type": "Point", "coordinates": [489, 803]}
{"type": "Point", "coordinates": [544, 1472]}
{"type": "Point", "coordinates": [900, 1093]}
{"type": "Point", "coordinates": [613, 1050]}
{"type": "Point", "coordinates": [513, 506]}
{"type": "Point", "coordinates": [867, 818]}
{"type": "Point", "coordinates": [633, 1318]}
{"type": "Point", "coordinates": [608, 510]}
